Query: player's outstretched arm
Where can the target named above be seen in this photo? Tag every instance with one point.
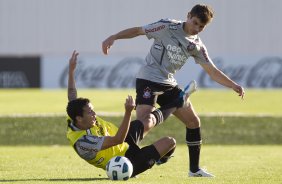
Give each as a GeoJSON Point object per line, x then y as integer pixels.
{"type": "Point", "coordinates": [218, 76]}
{"type": "Point", "coordinates": [124, 127]}
{"type": "Point", "coordinates": [125, 34]}
{"type": "Point", "coordinates": [72, 92]}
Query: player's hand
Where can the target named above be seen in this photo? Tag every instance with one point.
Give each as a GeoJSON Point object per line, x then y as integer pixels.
{"type": "Point", "coordinates": [129, 104]}
{"type": "Point", "coordinates": [106, 45]}
{"type": "Point", "coordinates": [240, 90]}
{"type": "Point", "coordinates": [73, 61]}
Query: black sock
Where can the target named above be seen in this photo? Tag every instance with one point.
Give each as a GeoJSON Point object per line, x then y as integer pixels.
{"type": "Point", "coordinates": [165, 158]}
{"type": "Point", "coordinates": [135, 132]}
{"type": "Point", "coordinates": [161, 114]}
{"type": "Point", "coordinates": [149, 155]}
{"type": "Point", "coordinates": [194, 141]}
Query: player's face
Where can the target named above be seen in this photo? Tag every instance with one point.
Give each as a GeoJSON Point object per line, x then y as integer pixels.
{"type": "Point", "coordinates": [89, 116]}
{"type": "Point", "coordinates": [194, 25]}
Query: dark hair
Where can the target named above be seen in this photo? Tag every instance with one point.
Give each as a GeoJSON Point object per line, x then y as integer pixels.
{"type": "Point", "coordinates": [203, 12]}
{"type": "Point", "coordinates": [75, 107]}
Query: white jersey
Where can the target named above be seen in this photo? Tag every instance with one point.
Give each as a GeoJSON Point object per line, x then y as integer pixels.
{"type": "Point", "coordinates": [170, 51]}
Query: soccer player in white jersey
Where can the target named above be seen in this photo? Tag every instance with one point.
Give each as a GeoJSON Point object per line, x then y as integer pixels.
{"type": "Point", "coordinates": [174, 42]}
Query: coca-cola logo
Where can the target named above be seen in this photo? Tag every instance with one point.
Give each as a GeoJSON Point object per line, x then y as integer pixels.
{"type": "Point", "coordinates": [121, 75]}
{"type": "Point", "coordinates": [124, 73]}
{"type": "Point", "coordinates": [266, 73]}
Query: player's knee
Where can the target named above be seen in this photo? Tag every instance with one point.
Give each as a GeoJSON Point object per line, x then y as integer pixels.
{"type": "Point", "coordinates": [173, 141]}
{"type": "Point", "coordinates": [148, 121]}
{"type": "Point", "coordinates": [142, 111]}
{"type": "Point", "coordinates": [170, 141]}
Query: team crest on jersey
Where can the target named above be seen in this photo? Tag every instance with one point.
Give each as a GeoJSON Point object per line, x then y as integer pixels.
{"type": "Point", "coordinates": [191, 46]}
{"type": "Point", "coordinates": [173, 27]}
{"type": "Point", "coordinates": [147, 93]}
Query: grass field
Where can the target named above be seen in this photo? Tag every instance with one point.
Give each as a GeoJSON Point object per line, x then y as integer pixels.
{"type": "Point", "coordinates": [215, 130]}
{"type": "Point", "coordinates": [59, 164]}
{"type": "Point", "coordinates": [205, 101]}
{"type": "Point", "coordinates": [242, 140]}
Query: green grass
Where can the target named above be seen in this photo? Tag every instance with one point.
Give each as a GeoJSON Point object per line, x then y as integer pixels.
{"type": "Point", "coordinates": [60, 164]}
{"type": "Point", "coordinates": [237, 149]}
{"type": "Point", "coordinates": [215, 130]}
{"type": "Point", "coordinates": [27, 101]}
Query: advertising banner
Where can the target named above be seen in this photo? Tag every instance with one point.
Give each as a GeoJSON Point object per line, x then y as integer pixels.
{"type": "Point", "coordinates": [120, 72]}
{"type": "Point", "coordinates": [92, 72]}
{"type": "Point", "coordinates": [19, 72]}
{"type": "Point", "coordinates": [250, 72]}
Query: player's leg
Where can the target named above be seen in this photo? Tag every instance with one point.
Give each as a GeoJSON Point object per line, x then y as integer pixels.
{"type": "Point", "coordinates": [146, 157]}
{"type": "Point", "coordinates": [166, 157]}
{"type": "Point", "coordinates": [193, 138]}
{"type": "Point", "coordinates": [137, 129]}
{"type": "Point", "coordinates": [143, 114]}
{"type": "Point", "coordinates": [165, 145]}
{"type": "Point", "coordinates": [171, 99]}
{"type": "Point", "coordinates": [147, 93]}
{"type": "Point", "coordinates": [188, 116]}
{"type": "Point", "coordinates": [147, 115]}
{"type": "Point", "coordinates": [157, 116]}
{"type": "Point", "coordinates": [145, 101]}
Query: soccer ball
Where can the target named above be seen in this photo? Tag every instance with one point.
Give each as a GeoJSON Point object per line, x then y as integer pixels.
{"type": "Point", "coordinates": [119, 168]}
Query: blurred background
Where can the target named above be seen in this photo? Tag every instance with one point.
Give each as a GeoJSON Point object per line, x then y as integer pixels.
{"type": "Point", "coordinates": [37, 37]}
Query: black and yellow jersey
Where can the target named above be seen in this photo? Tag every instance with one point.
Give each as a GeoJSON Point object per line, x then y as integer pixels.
{"type": "Point", "coordinates": [88, 143]}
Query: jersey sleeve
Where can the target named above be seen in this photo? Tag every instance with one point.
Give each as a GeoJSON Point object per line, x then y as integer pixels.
{"type": "Point", "coordinates": [156, 29]}
{"type": "Point", "coordinates": [88, 146]}
{"type": "Point", "coordinates": [201, 56]}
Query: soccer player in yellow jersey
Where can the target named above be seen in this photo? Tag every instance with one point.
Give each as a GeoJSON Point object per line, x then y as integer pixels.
{"type": "Point", "coordinates": [97, 141]}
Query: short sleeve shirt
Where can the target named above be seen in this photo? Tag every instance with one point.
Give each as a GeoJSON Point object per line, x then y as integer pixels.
{"type": "Point", "coordinates": [88, 146]}
{"type": "Point", "coordinates": [170, 51]}
{"type": "Point", "coordinates": [88, 143]}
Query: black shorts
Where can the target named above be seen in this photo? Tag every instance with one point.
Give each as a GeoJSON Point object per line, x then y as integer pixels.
{"type": "Point", "coordinates": [141, 158]}
{"type": "Point", "coordinates": [146, 93]}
